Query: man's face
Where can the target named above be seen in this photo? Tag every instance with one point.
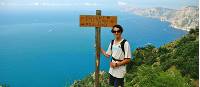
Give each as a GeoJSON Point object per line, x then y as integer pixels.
{"type": "Point", "coordinates": [116, 31]}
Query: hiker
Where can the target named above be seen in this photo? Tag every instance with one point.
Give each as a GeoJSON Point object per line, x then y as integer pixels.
{"type": "Point", "coordinates": [119, 50]}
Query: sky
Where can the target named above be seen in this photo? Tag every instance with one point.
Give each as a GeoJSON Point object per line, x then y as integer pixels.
{"type": "Point", "coordinates": [94, 4]}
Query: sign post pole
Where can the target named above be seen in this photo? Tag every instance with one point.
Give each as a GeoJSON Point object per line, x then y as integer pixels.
{"type": "Point", "coordinates": [97, 21]}
{"type": "Point", "coordinates": [98, 45]}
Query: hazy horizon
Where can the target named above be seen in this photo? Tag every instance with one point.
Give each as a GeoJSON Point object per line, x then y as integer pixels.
{"type": "Point", "coordinates": [91, 4]}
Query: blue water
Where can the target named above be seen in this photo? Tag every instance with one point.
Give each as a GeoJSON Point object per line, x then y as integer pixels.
{"type": "Point", "coordinates": [49, 49]}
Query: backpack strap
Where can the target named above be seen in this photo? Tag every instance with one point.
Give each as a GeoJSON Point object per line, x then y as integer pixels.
{"type": "Point", "coordinates": [112, 42]}
{"type": "Point", "coordinates": [122, 45]}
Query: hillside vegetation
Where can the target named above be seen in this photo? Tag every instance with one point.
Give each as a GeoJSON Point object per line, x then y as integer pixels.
{"type": "Point", "coordinates": [174, 64]}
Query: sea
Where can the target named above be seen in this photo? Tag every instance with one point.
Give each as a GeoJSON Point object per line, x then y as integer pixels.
{"type": "Point", "coordinates": [45, 48]}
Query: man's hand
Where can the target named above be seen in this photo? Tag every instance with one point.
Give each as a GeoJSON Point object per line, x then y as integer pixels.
{"type": "Point", "coordinates": [113, 65]}
{"type": "Point", "coordinates": [104, 53]}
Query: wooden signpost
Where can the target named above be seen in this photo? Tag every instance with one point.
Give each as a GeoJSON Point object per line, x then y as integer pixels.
{"type": "Point", "coordinates": [97, 21]}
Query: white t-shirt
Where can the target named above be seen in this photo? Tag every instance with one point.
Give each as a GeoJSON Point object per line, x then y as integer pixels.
{"type": "Point", "coordinates": [118, 54]}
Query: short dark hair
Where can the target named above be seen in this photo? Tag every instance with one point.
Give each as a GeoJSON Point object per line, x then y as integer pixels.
{"type": "Point", "coordinates": [117, 26]}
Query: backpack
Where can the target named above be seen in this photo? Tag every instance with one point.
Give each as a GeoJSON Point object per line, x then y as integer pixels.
{"type": "Point", "coordinates": [122, 45]}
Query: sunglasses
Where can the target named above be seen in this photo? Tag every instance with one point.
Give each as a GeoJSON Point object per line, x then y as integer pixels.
{"type": "Point", "coordinates": [116, 31]}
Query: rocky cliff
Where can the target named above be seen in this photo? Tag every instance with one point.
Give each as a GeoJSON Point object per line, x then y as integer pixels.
{"type": "Point", "coordinates": [185, 18]}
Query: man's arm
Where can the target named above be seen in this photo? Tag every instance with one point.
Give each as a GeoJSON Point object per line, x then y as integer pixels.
{"type": "Point", "coordinates": [124, 62]}
{"type": "Point", "coordinates": [104, 53]}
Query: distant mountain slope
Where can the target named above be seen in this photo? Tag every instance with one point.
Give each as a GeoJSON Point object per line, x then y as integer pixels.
{"type": "Point", "coordinates": [185, 18]}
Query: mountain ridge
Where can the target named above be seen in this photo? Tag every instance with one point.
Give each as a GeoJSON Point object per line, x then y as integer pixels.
{"type": "Point", "coordinates": [185, 18]}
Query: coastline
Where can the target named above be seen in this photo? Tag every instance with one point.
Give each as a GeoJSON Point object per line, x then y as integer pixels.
{"type": "Point", "coordinates": [170, 23]}
{"type": "Point", "coordinates": [174, 26]}
{"type": "Point", "coordinates": [183, 19]}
